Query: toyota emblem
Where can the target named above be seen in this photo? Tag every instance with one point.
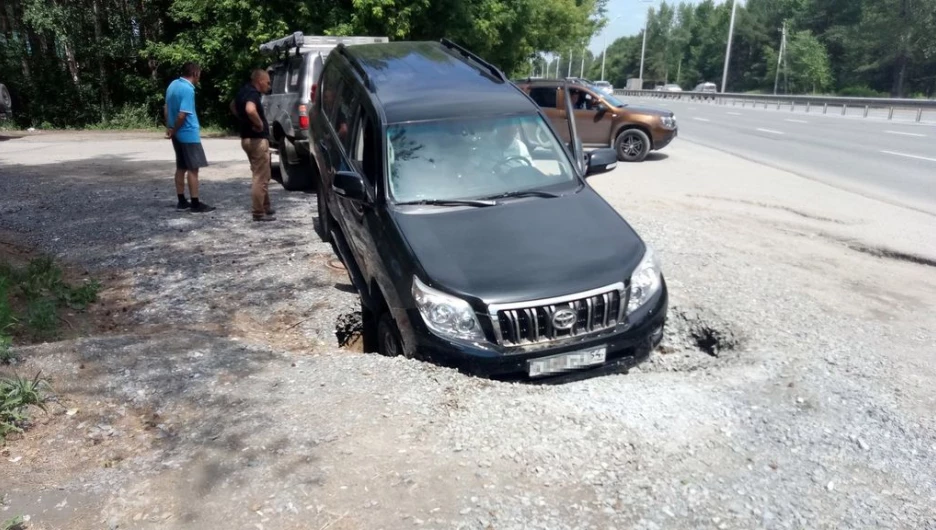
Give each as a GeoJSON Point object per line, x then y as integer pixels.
{"type": "Point", "coordinates": [563, 319]}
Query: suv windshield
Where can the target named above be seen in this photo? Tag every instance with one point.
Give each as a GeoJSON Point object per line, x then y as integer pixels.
{"type": "Point", "coordinates": [608, 96]}
{"type": "Point", "coordinates": [474, 158]}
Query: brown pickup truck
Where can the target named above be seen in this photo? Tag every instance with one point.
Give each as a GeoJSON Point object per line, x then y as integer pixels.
{"type": "Point", "coordinates": [603, 120]}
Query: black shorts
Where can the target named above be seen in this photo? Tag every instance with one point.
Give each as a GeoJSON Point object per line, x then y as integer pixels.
{"type": "Point", "coordinates": [189, 156]}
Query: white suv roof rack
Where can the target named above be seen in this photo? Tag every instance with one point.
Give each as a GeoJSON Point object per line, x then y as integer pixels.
{"type": "Point", "coordinates": [302, 42]}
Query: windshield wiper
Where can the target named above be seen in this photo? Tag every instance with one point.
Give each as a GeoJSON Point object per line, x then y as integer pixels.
{"type": "Point", "coordinates": [529, 193]}
{"type": "Point", "coordinates": [450, 202]}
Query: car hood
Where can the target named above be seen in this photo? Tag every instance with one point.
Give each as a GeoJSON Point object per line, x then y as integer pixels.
{"type": "Point", "coordinates": [652, 111]}
{"type": "Point", "coordinates": [524, 249]}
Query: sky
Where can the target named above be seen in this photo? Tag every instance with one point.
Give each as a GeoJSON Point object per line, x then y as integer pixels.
{"type": "Point", "coordinates": [633, 15]}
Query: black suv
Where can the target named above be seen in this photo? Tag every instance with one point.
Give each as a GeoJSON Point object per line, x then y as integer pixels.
{"type": "Point", "coordinates": [466, 224]}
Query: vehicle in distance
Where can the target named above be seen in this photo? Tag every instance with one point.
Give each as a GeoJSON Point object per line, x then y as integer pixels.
{"type": "Point", "coordinates": [294, 88]}
{"type": "Point", "coordinates": [603, 120]}
{"type": "Point", "coordinates": [466, 224]}
{"type": "Point", "coordinates": [706, 88]}
{"type": "Point", "coordinates": [672, 87]}
{"type": "Point", "coordinates": [605, 86]}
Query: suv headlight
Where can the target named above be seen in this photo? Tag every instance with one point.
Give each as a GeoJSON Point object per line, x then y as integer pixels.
{"type": "Point", "coordinates": [669, 121]}
{"type": "Point", "coordinates": [645, 281]}
{"type": "Point", "coordinates": [446, 315]}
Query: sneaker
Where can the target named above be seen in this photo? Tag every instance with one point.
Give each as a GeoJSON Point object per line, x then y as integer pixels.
{"type": "Point", "coordinates": [264, 218]}
{"type": "Point", "coordinates": [202, 208]}
{"type": "Point", "coordinates": [270, 211]}
{"type": "Point", "coordinates": [183, 205]}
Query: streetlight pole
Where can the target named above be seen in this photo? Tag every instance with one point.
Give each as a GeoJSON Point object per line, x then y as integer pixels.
{"type": "Point", "coordinates": [571, 51]}
{"type": "Point", "coordinates": [724, 79]}
{"type": "Point", "coordinates": [582, 68]}
{"type": "Point", "coordinates": [604, 52]}
{"type": "Point", "coordinates": [643, 48]}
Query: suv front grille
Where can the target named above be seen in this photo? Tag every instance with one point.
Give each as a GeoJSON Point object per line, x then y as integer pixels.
{"type": "Point", "coordinates": [541, 321]}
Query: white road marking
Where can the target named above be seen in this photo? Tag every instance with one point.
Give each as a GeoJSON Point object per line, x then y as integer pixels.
{"type": "Point", "coordinates": [909, 156]}
{"type": "Point", "coordinates": [701, 119]}
{"type": "Point", "coordinates": [735, 113]}
{"type": "Point", "coordinates": [906, 134]}
{"type": "Point", "coordinates": [771, 131]}
{"type": "Point", "coordinates": [796, 121]}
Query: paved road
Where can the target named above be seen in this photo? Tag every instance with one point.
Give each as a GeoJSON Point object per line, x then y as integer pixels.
{"type": "Point", "coordinates": [893, 161]}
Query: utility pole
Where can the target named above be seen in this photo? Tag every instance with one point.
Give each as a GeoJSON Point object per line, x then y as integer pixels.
{"type": "Point", "coordinates": [582, 68]}
{"type": "Point", "coordinates": [604, 52]}
{"type": "Point", "coordinates": [724, 79]}
{"type": "Point", "coordinates": [571, 51]}
{"type": "Point", "coordinates": [780, 58]}
{"type": "Point", "coordinates": [643, 48]}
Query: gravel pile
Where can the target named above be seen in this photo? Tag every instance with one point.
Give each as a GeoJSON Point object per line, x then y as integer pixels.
{"type": "Point", "coordinates": [794, 390]}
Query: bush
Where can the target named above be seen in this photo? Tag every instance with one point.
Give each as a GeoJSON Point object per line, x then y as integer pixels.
{"type": "Point", "coordinates": [861, 92]}
{"type": "Point", "coordinates": [16, 395]}
{"type": "Point", "coordinates": [129, 117]}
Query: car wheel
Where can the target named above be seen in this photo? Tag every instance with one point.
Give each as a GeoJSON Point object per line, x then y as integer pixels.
{"type": "Point", "coordinates": [632, 145]}
{"type": "Point", "coordinates": [275, 170]}
{"type": "Point", "coordinates": [299, 176]}
{"type": "Point", "coordinates": [324, 217]}
{"type": "Point", "coordinates": [389, 343]}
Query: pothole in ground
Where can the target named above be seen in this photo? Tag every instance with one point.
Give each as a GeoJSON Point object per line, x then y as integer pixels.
{"type": "Point", "coordinates": [349, 330]}
{"type": "Point", "coordinates": [694, 338]}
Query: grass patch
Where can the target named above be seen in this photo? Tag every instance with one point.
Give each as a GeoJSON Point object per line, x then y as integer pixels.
{"type": "Point", "coordinates": [17, 394]}
{"type": "Point", "coordinates": [31, 298]}
{"type": "Point", "coordinates": [14, 523]}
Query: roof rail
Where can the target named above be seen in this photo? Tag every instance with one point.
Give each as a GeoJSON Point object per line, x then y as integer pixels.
{"type": "Point", "coordinates": [468, 55]}
{"type": "Point", "coordinates": [298, 41]}
{"type": "Point", "coordinates": [343, 50]}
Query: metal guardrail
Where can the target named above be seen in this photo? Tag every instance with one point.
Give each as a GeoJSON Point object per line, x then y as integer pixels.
{"type": "Point", "coordinates": [807, 102]}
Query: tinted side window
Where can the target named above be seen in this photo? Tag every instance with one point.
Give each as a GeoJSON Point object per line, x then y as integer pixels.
{"type": "Point", "coordinates": [330, 82]}
{"type": "Point", "coordinates": [545, 97]}
{"type": "Point", "coordinates": [363, 147]}
{"type": "Point", "coordinates": [345, 113]}
{"type": "Point", "coordinates": [279, 79]}
{"type": "Point", "coordinates": [294, 80]}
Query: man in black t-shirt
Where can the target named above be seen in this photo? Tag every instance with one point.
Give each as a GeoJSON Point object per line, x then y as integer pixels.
{"type": "Point", "coordinates": [254, 133]}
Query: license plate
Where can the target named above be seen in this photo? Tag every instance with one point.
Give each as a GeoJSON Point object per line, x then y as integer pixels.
{"type": "Point", "coordinates": [567, 361]}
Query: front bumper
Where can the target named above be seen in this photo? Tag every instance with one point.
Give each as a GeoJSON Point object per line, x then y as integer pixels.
{"type": "Point", "coordinates": [663, 140]}
{"type": "Point", "coordinates": [625, 348]}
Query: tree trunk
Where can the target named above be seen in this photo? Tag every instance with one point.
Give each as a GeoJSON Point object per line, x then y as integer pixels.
{"type": "Point", "coordinates": [102, 70]}
{"type": "Point", "coordinates": [900, 64]}
{"type": "Point", "coordinates": [898, 90]}
{"type": "Point", "coordinates": [71, 63]}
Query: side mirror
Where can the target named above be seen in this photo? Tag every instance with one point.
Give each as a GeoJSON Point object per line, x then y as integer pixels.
{"type": "Point", "coordinates": [601, 161]}
{"type": "Point", "coordinates": [350, 185]}
{"type": "Point", "coordinates": [601, 108]}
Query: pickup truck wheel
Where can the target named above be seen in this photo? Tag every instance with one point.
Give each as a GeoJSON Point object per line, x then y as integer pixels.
{"type": "Point", "coordinates": [632, 145]}
{"type": "Point", "coordinates": [275, 172]}
{"type": "Point", "coordinates": [324, 217]}
{"type": "Point", "coordinates": [299, 176]}
{"type": "Point", "coordinates": [388, 337]}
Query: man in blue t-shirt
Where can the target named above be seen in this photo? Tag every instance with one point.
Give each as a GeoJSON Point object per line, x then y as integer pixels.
{"type": "Point", "coordinates": [183, 129]}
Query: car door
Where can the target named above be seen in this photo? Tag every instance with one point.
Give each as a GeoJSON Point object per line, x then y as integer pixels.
{"type": "Point", "coordinates": [364, 157]}
{"type": "Point", "coordinates": [594, 120]}
{"type": "Point", "coordinates": [547, 98]}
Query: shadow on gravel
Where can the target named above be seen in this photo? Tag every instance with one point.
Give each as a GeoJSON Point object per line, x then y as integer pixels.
{"type": "Point", "coordinates": [116, 214]}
